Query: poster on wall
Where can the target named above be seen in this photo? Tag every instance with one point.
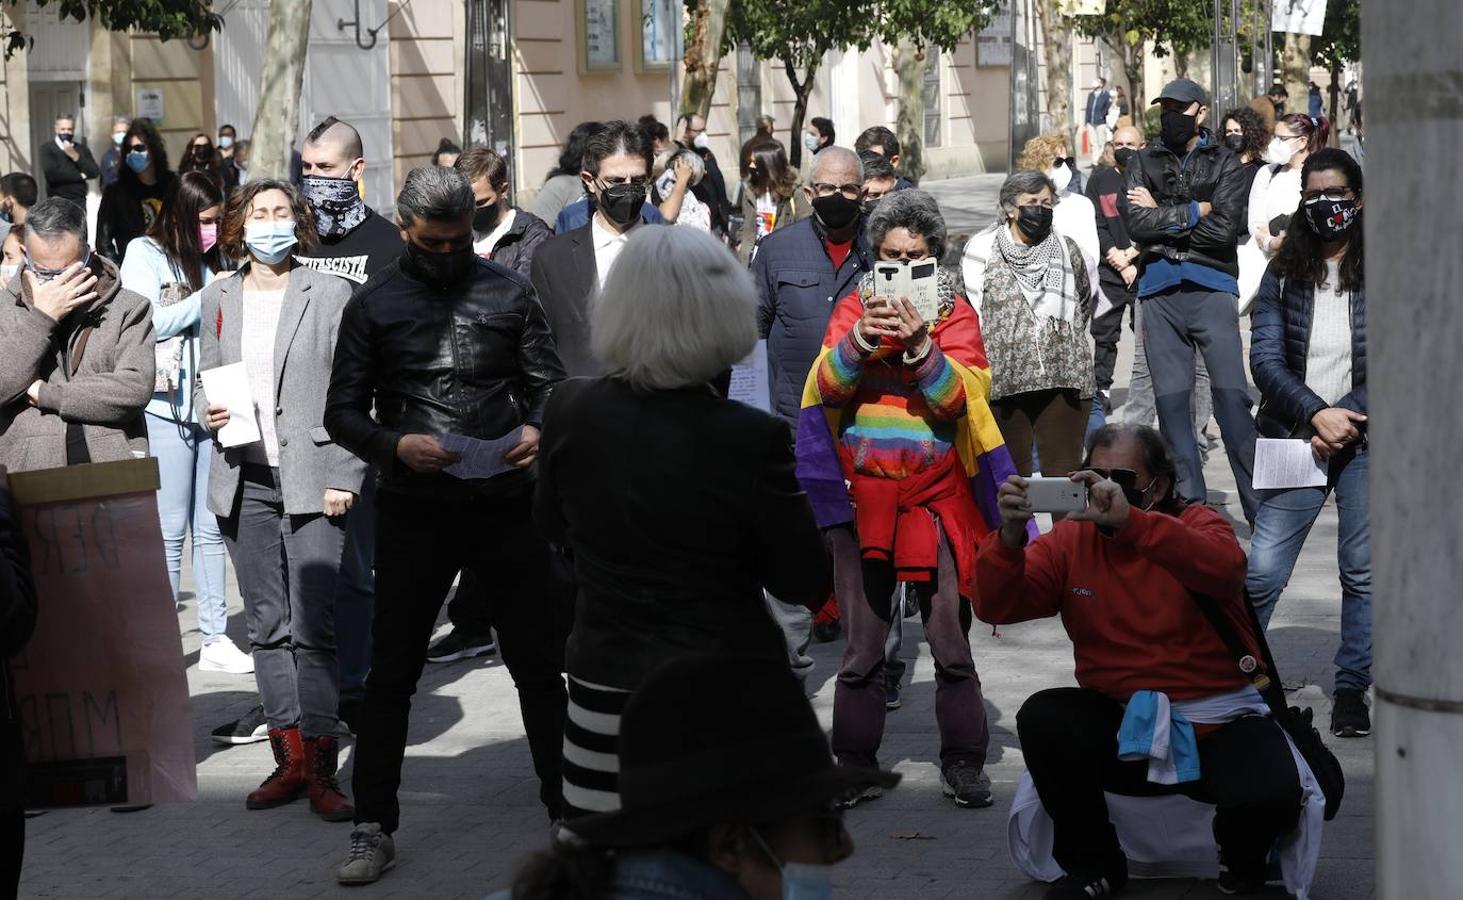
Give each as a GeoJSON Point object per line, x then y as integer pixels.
{"type": "Point", "coordinates": [993, 42]}
{"type": "Point", "coordinates": [1299, 16]}
{"type": "Point", "coordinates": [658, 22]}
{"type": "Point", "coordinates": [100, 689]}
{"type": "Point", "coordinates": [150, 104]}
{"type": "Point", "coordinates": [601, 32]}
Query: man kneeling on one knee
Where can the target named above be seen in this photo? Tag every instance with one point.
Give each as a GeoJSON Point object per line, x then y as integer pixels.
{"type": "Point", "coordinates": [1121, 575]}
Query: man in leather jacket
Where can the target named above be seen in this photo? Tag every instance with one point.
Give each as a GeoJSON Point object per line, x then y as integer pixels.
{"type": "Point", "coordinates": [445, 343]}
{"type": "Point", "coordinates": [1186, 196]}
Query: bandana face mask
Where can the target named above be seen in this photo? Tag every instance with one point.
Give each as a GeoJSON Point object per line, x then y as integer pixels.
{"type": "Point", "coordinates": [337, 203]}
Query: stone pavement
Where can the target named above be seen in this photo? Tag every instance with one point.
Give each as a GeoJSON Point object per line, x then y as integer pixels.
{"type": "Point", "coordinates": [470, 810]}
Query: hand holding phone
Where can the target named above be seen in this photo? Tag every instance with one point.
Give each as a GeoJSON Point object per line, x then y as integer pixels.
{"type": "Point", "coordinates": [1056, 495]}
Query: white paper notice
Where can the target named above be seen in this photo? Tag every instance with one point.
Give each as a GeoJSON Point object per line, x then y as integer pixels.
{"type": "Point", "coordinates": [228, 386]}
{"type": "Point", "coordinates": [1287, 464]}
{"type": "Point", "coordinates": [480, 459]}
{"type": "Point", "coordinates": [749, 381]}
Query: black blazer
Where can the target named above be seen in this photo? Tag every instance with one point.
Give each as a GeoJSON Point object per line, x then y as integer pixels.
{"type": "Point", "coordinates": [678, 508]}
{"type": "Point", "coordinates": [564, 276]}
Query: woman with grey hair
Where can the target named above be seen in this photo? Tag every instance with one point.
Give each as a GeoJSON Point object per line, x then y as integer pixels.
{"type": "Point", "coordinates": [678, 505]}
{"type": "Point", "coordinates": [674, 174]}
{"type": "Point", "coordinates": [892, 412]}
{"type": "Point", "coordinates": [1032, 290]}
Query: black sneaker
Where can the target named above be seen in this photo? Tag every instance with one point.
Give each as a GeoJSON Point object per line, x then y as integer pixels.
{"type": "Point", "coordinates": [1086, 887]}
{"type": "Point", "coordinates": [967, 785]}
{"type": "Point", "coordinates": [827, 632]}
{"type": "Point", "coordinates": [891, 697]}
{"type": "Point", "coordinates": [1231, 882]}
{"type": "Point", "coordinates": [1349, 715]}
{"type": "Point", "coordinates": [457, 646]}
{"type": "Point", "coordinates": [250, 728]}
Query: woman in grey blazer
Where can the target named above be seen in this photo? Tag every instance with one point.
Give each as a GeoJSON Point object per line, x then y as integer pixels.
{"type": "Point", "coordinates": [282, 500]}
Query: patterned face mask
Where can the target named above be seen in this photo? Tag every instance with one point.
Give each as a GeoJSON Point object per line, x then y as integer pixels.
{"type": "Point", "coordinates": [337, 203]}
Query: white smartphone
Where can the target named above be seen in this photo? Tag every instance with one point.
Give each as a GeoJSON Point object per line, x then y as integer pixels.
{"type": "Point", "coordinates": [918, 281]}
{"type": "Point", "coordinates": [1056, 495]}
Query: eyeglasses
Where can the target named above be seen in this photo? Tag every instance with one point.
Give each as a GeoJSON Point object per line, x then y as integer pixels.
{"type": "Point", "coordinates": [913, 256]}
{"type": "Point", "coordinates": [45, 275]}
{"type": "Point", "coordinates": [640, 180]}
{"type": "Point", "coordinates": [850, 191]}
{"type": "Point", "coordinates": [1331, 195]}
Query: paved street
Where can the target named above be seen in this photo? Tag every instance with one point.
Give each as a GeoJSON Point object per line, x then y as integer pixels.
{"type": "Point", "coordinates": [470, 809]}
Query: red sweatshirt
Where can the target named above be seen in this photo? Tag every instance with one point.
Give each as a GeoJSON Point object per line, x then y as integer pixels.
{"type": "Point", "coordinates": [1125, 600]}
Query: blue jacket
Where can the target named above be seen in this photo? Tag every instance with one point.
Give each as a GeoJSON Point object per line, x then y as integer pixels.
{"type": "Point", "coordinates": [1280, 339]}
{"type": "Point", "coordinates": [576, 215]}
{"type": "Point", "coordinates": [664, 875]}
{"type": "Point", "coordinates": [797, 289]}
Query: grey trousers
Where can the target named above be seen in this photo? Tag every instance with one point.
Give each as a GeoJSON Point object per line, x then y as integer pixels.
{"type": "Point", "coordinates": [796, 623]}
{"type": "Point", "coordinates": [1176, 323]}
{"type": "Point", "coordinates": [1139, 408]}
{"type": "Point", "coordinates": [287, 568]}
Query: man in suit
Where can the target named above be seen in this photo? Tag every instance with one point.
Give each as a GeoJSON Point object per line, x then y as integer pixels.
{"type": "Point", "coordinates": [568, 268]}
{"type": "Point", "coordinates": [67, 164]}
{"type": "Point", "coordinates": [1099, 101]}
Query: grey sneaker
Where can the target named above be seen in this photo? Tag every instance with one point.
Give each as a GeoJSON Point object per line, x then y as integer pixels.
{"type": "Point", "coordinates": [373, 853]}
{"type": "Point", "coordinates": [967, 785]}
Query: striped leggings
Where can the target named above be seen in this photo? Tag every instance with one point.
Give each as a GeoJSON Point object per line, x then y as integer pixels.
{"type": "Point", "coordinates": [591, 757]}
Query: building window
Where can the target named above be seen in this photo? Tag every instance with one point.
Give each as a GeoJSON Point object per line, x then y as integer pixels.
{"type": "Point", "coordinates": [932, 95]}
{"type": "Point", "coordinates": [659, 21]}
{"type": "Point", "coordinates": [599, 35]}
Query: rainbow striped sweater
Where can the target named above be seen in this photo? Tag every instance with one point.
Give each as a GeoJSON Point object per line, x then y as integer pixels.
{"type": "Point", "coordinates": [898, 419]}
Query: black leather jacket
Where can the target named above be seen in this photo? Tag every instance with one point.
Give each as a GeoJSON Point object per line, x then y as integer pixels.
{"type": "Point", "coordinates": [1210, 173]}
{"type": "Point", "coordinates": [476, 359]}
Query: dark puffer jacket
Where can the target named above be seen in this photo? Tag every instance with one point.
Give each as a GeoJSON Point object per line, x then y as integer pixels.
{"type": "Point", "coordinates": [1210, 173]}
{"type": "Point", "coordinates": [1280, 339]}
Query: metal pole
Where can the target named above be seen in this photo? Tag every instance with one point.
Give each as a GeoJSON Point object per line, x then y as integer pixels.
{"type": "Point", "coordinates": [1414, 130]}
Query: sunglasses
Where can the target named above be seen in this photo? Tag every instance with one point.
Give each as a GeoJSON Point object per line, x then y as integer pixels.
{"type": "Point", "coordinates": [1123, 478]}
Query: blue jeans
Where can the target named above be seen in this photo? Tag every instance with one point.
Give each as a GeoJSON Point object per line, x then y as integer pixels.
{"type": "Point", "coordinates": [184, 451]}
{"type": "Point", "coordinates": [355, 593]}
{"type": "Point", "coordinates": [1284, 520]}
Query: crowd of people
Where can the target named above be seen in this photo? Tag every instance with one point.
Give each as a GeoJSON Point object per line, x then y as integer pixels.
{"type": "Point", "coordinates": [674, 553]}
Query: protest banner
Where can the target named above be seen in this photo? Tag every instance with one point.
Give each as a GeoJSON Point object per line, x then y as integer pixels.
{"type": "Point", "coordinates": [101, 690]}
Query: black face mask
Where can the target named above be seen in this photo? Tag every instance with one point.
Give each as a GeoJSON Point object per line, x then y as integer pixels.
{"type": "Point", "coordinates": [1176, 128]}
{"type": "Point", "coordinates": [440, 270]}
{"type": "Point", "coordinates": [1332, 219]}
{"type": "Point", "coordinates": [1235, 142]}
{"type": "Point", "coordinates": [1124, 156]}
{"type": "Point", "coordinates": [836, 212]}
{"type": "Point", "coordinates": [486, 218]}
{"type": "Point", "coordinates": [203, 154]}
{"type": "Point", "coordinates": [621, 203]}
{"type": "Point", "coordinates": [1035, 222]}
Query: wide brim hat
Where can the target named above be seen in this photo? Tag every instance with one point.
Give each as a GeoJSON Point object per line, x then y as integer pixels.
{"type": "Point", "coordinates": [713, 740]}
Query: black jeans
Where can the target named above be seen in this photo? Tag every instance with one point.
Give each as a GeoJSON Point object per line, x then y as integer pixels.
{"type": "Point", "coordinates": [420, 547]}
{"type": "Point", "coordinates": [1069, 738]}
{"type": "Point", "coordinates": [471, 608]}
{"type": "Point", "coordinates": [1107, 332]}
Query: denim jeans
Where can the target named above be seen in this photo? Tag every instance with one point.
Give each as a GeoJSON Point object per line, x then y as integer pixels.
{"type": "Point", "coordinates": [184, 452]}
{"type": "Point", "coordinates": [1281, 527]}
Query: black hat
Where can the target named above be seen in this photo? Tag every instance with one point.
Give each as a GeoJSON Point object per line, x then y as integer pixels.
{"type": "Point", "coordinates": [710, 740]}
{"type": "Point", "coordinates": [1184, 91]}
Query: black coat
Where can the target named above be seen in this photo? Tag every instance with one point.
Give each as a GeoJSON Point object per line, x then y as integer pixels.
{"type": "Point", "coordinates": [1210, 173]}
{"type": "Point", "coordinates": [476, 359]}
{"type": "Point", "coordinates": [678, 508]}
{"type": "Point", "coordinates": [1280, 341]}
{"type": "Point", "coordinates": [127, 211]}
{"type": "Point", "coordinates": [65, 178]}
{"type": "Point", "coordinates": [564, 275]}
{"type": "Point", "coordinates": [17, 620]}
{"type": "Point", "coordinates": [517, 246]}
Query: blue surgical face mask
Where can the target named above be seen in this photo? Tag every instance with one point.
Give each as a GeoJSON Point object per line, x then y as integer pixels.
{"type": "Point", "coordinates": [800, 881]}
{"type": "Point", "coordinates": [137, 161]}
{"type": "Point", "coordinates": [811, 142]}
{"type": "Point", "coordinates": [270, 242]}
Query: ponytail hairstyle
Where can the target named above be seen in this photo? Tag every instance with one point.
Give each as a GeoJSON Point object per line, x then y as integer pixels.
{"type": "Point", "coordinates": [1315, 131]}
{"type": "Point", "coordinates": [1302, 256]}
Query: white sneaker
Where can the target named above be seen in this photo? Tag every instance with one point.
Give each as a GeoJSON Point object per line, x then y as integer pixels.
{"type": "Point", "coordinates": [222, 656]}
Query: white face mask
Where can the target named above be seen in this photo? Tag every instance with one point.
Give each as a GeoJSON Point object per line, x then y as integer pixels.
{"type": "Point", "coordinates": [1061, 176]}
{"type": "Point", "coordinates": [701, 142]}
{"type": "Point", "coordinates": [8, 272]}
{"type": "Point", "coordinates": [811, 142]}
{"type": "Point", "coordinates": [1279, 152]}
{"type": "Point", "coordinates": [225, 142]}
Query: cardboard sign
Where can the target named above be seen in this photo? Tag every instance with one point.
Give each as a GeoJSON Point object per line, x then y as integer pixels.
{"type": "Point", "coordinates": [101, 690]}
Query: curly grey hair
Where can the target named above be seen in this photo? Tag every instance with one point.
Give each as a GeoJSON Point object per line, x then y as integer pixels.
{"type": "Point", "coordinates": [1025, 181]}
{"type": "Point", "coordinates": [911, 209]}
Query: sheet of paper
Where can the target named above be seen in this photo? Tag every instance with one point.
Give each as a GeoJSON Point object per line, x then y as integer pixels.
{"type": "Point", "coordinates": [1286, 464]}
{"type": "Point", "coordinates": [749, 380]}
{"type": "Point", "coordinates": [480, 459]}
{"type": "Point", "coordinates": [228, 386]}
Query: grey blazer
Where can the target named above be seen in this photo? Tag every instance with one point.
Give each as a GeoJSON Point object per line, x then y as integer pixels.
{"type": "Point", "coordinates": [309, 461]}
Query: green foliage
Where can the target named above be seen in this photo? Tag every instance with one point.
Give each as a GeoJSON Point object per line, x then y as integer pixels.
{"type": "Point", "coordinates": [167, 18]}
{"type": "Point", "coordinates": [1340, 41]}
{"type": "Point", "coordinates": [799, 33]}
{"type": "Point", "coordinates": [1174, 26]}
{"type": "Point", "coordinates": [932, 22]}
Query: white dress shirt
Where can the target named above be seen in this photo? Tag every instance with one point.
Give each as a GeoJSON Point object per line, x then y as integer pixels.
{"type": "Point", "coordinates": [607, 246]}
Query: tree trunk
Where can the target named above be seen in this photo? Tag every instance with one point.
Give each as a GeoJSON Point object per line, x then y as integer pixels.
{"type": "Point", "coordinates": [1410, 57]}
{"type": "Point", "coordinates": [801, 89]}
{"type": "Point", "coordinates": [1056, 37]}
{"type": "Point", "coordinates": [1295, 63]}
{"type": "Point", "coordinates": [1335, 104]}
{"type": "Point", "coordinates": [909, 62]}
{"type": "Point", "coordinates": [278, 117]}
{"type": "Point", "coordinates": [703, 56]}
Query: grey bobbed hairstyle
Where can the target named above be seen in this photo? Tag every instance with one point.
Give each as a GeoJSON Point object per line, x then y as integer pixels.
{"type": "Point", "coordinates": [1025, 181]}
{"type": "Point", "coordinates": [676, 310]}
{"type": "Point", "coordinates": [911, 209]}
{"type": "Point", "coordinates": [434, 192]}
